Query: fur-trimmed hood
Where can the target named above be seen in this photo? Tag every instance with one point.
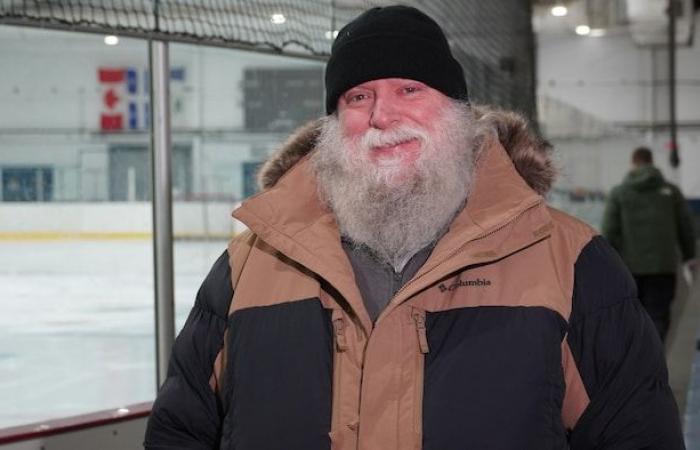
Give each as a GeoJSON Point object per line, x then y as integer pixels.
{"type": "Point", "coordinates": [530, 154]}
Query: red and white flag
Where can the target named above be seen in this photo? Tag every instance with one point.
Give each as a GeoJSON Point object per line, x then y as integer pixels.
{"type": "Point", "coordinates": [113, 111]}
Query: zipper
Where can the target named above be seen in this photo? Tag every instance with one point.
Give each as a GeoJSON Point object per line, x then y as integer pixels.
{"type": "Point", "coordinates": [341, 343]}
{"type": "Point", "coordinates": [340, 346]}
{"type": "Point", "coordinates": [419, 320]}
{"type": "Point", "coordinates": [418, 317]}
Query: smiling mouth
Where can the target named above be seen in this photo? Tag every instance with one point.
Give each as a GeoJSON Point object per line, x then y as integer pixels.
{"type": "Point", "coordinates": [393, 145]}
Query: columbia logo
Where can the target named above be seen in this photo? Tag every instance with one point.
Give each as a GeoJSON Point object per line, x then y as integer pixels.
{"type": "Point", "coordinates": [460, 283]}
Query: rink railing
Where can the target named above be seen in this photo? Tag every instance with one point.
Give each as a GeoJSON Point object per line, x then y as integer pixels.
{"type": "Point", "coordinates": [54, 427]}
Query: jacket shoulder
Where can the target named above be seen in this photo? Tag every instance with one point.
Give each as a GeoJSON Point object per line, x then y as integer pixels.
{"type": "Point", "coordinates": [216, 292]}
{"type": "Point", "coordinates": [567, 237]}
{"type": "Point", "coordinates": [238, 250]}
{"type": "Point", "coordinates": [570, 229]}
{"type": "Point", "coordinates": [601, 278]}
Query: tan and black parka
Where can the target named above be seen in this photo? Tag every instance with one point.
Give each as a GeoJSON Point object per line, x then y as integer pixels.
{"type": "Point", "coordinates": [521, 331]}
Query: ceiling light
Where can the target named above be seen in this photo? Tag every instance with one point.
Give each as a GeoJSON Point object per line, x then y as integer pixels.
{"type": "Point", "coordinates": [559, 11]}
{"type": "Point", "coordinates": [583, 30]}
{"type": "Point", "coordinates": [331, 34]}
{"type": "Point", "coordinates": [111, 40]}
{"type": "Point", "coordinates": [278, 19]}
{"type": "Point", "coordinates": [597, 32]}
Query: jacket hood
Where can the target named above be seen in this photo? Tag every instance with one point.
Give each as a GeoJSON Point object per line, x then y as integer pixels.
{"type": "Point", "coordinates": [644, 178]}
{"type": "Point", "coordinates": [530, 153]}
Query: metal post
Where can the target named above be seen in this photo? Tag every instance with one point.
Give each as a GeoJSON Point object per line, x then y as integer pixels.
{"type": "Point", "coordinates": [162, 205]}
{"type": "Point", "coordinates": [674, 159]}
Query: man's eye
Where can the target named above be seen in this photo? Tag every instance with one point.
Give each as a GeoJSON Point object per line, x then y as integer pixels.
{"type": "Point", "coordinates": [411, 89]}
{"type": "Point", "coordinates": [356, 98]}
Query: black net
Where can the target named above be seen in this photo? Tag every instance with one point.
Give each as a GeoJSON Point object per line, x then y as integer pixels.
{"type": "Point", "coordinates": [494, 42]}
{"type": "Point", "coordinates": [492, 39]}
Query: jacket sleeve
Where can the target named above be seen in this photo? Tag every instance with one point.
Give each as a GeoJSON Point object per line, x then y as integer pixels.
{"type": "Point", "coordinates": [611, 227]}
{"type": "Point", "coordinates": [684, 221]}
{"type": "Point", "coordinates": [186, 413]}
{"type": "Point", "coordinates": [621, 361]}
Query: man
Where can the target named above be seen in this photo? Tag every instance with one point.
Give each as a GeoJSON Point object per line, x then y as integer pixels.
{"type": "Point", "coordinates": [647, 220]}
{"type": "Point", "coordinates": [404, 285]}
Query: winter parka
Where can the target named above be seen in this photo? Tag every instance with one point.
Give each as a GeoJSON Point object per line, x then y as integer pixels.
{"type": "Point", "coordinates": [648, 221]}
{"type": "Point", "coordinates": [521, 331]}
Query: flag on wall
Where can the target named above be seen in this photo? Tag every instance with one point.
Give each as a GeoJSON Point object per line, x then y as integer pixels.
{"type": "Point", "coordinates": [119, 89]}
{"type": "Point", "coordinates": [125, 97]}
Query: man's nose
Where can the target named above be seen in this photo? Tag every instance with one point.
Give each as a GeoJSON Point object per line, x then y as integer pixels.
{"type": "Point", "coordinates": [384, 114]}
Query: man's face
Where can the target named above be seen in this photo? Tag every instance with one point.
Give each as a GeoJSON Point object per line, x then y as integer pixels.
{"type": "Point", "coordinates": [395, 165]}
{"type": "Point", "coordinates": [389, 120]}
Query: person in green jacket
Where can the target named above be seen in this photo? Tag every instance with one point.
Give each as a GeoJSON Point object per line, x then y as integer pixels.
{"type": "Point", "coordinates": [647, 220]}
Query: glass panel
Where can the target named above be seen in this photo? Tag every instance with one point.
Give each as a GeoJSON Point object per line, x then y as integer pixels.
{"type": "Point", "coordinates": [76, 270]}
{"type": "Point", "coordinates": [230, 110]}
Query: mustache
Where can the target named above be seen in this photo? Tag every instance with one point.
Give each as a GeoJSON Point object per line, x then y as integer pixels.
{"type": "Point", "coordinates": [382, 138]}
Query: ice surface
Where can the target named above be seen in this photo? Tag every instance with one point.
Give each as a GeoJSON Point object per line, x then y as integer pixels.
{"type": "Point", "coordinates": [77, 326]}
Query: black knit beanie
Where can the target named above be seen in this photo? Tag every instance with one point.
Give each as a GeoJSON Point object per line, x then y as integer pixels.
{"type": "Point", "coordinates": [392, 42]}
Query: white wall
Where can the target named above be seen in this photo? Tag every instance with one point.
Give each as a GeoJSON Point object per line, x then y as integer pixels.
{"type": "Point", "coordinates": [610, 77]}
{"type": "Point", "coordinates": [608, 80]}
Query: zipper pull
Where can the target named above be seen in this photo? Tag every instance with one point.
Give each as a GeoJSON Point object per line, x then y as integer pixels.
{"type": "Point", "coordinates": [339, 330]}
{"type": "Point", "coordinates": [419, 320]}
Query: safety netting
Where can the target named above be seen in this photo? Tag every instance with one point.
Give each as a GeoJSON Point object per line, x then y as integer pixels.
{"type": "Point", "coordinates": [492, 39]}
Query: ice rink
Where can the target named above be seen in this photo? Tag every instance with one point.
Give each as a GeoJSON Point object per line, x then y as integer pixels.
{"type": "Point", "coordinates": [77, 326]}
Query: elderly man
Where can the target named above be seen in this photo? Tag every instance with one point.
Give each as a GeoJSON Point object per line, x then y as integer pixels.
{"type": "Point", "coordinates": [405, 286]}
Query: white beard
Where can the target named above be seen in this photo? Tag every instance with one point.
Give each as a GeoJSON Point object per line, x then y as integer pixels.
{"type": "Point", "coordinates": [394, 209]}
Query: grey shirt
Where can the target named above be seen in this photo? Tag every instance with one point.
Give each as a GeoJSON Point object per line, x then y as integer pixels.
{"type": "Point", "coordinates": [378, 281]}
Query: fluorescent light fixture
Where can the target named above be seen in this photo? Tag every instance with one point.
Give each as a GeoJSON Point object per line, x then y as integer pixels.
{"type": "Point", "coordinates": [111, 40]}
{"type": "Point", "coordinates": [278, 19]}
{"type": "Point", "coordinates": [331, 34]}
{"type": "Point", "coordinates": [583, 30]}
{"type": "Point", "coordinates": [559, 11]}
{"type": "Point", "coordinates": [597, 32]}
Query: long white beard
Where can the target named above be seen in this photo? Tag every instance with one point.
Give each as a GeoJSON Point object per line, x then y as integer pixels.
{"type": "Point", "coordinates": [393, 209]}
